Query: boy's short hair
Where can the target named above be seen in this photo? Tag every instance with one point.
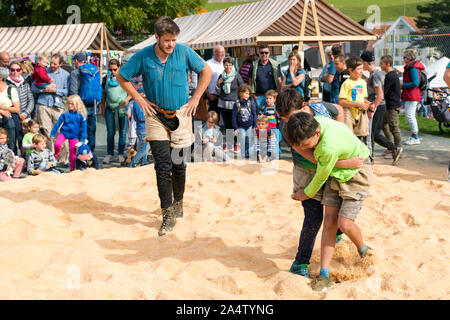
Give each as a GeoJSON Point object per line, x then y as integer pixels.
{"type": "Point", "coordinates": [339, 57]}
{"type": "Point", "coordinates": [166, 25]}
{"type": "Point", "coordinates": [288, 101]}
{"type": "Point", "coordinates": [245, 87]}
{"type": "Point", "coordinates": [3, 131]}
{"type": "Point", "coordinates": [387, 60]}
{"type": "Point", "coordinates": [354, 62]}
{"type": "Point", "coordinates": [213, 115]}
{"type": "Point", "coordinates": [271, 93]}
{"type": "Point", "coordinates": [42, 57]}
{"type": "Point", "coordinates": [301, 126]}
{"type": "Point", "coordinates": [38, 138]}
{"type": "Point", "coordinates": [262, 118]}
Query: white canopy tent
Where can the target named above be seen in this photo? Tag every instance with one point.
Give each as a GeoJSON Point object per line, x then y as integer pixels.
{"type": "Point", "coordinates": [437, 68]}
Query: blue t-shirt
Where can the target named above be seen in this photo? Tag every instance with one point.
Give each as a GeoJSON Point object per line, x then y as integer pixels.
{"type": "Point", "coordinates": [289, 80]}
{"type": "Point", "coordinates": [164, 85]}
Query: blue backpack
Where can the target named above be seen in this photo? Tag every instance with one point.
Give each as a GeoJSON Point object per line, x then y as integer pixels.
{"type": "Point", "coordinates": [91, 89]}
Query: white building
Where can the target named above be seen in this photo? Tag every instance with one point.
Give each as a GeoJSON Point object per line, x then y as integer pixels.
{"type": "Point", "coordinates": [397, 39]}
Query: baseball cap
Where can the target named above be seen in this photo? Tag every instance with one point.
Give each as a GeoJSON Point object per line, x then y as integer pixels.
{"type": "Point", "coordinates": [80, 56]}
{"type": "Point", "coordinates": [368, 56]}
{"type": "Point", "coordinates": [84, 149]}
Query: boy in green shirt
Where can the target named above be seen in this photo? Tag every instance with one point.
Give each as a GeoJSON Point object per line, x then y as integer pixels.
{"type": "Point", "coordinates": [332, 141]}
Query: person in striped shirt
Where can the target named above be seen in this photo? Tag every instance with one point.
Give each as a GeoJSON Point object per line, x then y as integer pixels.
{"type": "Point", "coordinates": [266, 140]}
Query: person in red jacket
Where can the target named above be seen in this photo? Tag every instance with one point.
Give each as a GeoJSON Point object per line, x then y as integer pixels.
{"type": "Point", "coordinates": [411, 94]}
{"type": "Point", "coordinates": [40, 75]}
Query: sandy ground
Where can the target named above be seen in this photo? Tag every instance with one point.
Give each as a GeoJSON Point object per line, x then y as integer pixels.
{"type": "Point", "coordinates": [93, 235]}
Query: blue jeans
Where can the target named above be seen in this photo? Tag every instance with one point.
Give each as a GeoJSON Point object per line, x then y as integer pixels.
{"type": "Point", "coordinates": [91, 125]}
{"type": "Point", "coordinates": [245, 137]}
{"type": "Point", "coordinates": [10, 126]}
{"type": "Point", "coordinates": [142, 153]}
{"type": "Point", "coordinates": [110, 116]}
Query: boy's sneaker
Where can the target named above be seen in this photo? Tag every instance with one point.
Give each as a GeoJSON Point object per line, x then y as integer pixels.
{"type": "Point", "coordinates": [321, 283]}
{"type": "Point", "coordinates": [396, 155]}
{"type": "Point", "coordinates": [178, 208]}
{"type": "Point", "coordinates": [237, 149]}
{"type": "Point", "coordinates": [107, 159]}
{"type": "Point", "coordinates": [412, 141]}
{"type": "Point", "coordinates": [338, 238]}
{"type": "Point", "coordinates": [300, 269]}
{"type": "Point", "coordinates": [225, 149]}
{"type": "Point", "coordinates": [121, 158]}
{"type": "Point", "coordinates": [168, 222]}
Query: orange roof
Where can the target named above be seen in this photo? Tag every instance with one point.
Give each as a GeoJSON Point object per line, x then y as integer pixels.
{"type": "Point", "coordinates": [381, 30]}
{"type": "Point", "coordinates": [412, 22]}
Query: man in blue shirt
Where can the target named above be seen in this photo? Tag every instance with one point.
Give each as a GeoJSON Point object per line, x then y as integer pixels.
{"type": "Point", "coordinates": [164, 67]}
{"type": "Point", "coordinates": [49, 100]}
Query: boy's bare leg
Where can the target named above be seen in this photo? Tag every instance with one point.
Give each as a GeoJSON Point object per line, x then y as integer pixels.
{"type": "Point", "coordinates": [330, 226]}
{"type": "Point", "coordinates": [350, 228]}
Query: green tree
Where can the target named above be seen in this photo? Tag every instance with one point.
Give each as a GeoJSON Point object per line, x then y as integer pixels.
{"type": "Point", "coordinates": [131, 17]}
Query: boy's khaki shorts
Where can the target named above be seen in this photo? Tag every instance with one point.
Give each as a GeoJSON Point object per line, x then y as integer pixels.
{"type": "Point", "coordinates": [182, 137]}
{"type": "Point", "coordinates": [360, 129]}
{"type": "Point", "coordinates": [350, 195]}
{"type": "Point", "coordinates": [302, 177]}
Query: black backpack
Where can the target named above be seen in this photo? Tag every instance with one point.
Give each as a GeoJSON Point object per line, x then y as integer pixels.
{"type": "Point", "coordinates": [423, 81]}
{"type": "Point", "coordinates": [306, 88]}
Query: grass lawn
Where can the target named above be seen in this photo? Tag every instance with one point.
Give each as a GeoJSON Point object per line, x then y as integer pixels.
{"type": "Point", "coordinates": [428, 126]}
{"type": "Point", "coordinates": [390, 10]}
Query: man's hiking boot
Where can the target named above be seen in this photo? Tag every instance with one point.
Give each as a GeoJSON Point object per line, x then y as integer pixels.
{"type": "Point", "coordinates": [168, 222]}
{"type": "Point", "coordinates": [321, 283]}
{"type": "Point", "coordinates": [178, 208]}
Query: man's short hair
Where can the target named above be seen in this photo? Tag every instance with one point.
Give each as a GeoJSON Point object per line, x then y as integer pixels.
{"type": "Point", "coordinates": [263, 46]}
{"type": "Point", "coordinates": [288, 101]}
{"type": "Point", "coordinates": [300, 127]}
{"type": "Point", "coordinates": [336, 50]}
{"type": "Point", "coordinates": [271, 93]}
{"type": "Point", "coordinates": [166, 25]}
{"type": "Point", "coordinates": [387, 60]}
{"type": "Point", "coordinates": [354, 62]}
{"type": "Point", "coordinates": [59, 56]}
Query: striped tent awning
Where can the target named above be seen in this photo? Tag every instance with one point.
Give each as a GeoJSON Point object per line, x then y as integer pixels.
{"type": "Point", "coordinates": [279, 21]}
{"type": "Point", "coordinates": [65, 39]}
{"type": "Point", "coordinates": [190, 27]}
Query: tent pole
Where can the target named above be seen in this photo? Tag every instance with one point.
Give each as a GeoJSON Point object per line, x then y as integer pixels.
{"type": "Point", "coordinates": [106, 43]}
{"type": "Point", "coordinates": [101, 54]}
{"type": "Point", "coordinates": [303, 26]}
{"type": "Point", "coordinates": [316, 23]}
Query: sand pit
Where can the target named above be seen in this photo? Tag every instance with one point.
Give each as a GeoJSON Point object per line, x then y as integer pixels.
{"type": "Point", "coordinates": [93, 235]}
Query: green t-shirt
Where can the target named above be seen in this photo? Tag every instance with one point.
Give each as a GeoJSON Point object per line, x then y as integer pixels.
{"type": "Point", "coordinates": [336, 142]}
{"type": "Point", "coordinates": [28, 139]}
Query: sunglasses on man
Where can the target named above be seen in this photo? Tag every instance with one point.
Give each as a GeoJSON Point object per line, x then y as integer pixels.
{"type": "Point", "coordinates": [264, 52]}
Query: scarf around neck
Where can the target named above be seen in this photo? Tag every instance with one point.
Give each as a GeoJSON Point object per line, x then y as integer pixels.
{"type": "Point", "coordinates": [227, 80]}
{"type": "Point", "coordinates": [16, 81]}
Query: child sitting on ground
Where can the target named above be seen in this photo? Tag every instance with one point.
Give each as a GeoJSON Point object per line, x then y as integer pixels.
{"type": "Point", "coordinates": [32, 127]}
{"type": "Point", "coordinates": [346, 189]}
{"type": "Point", "coordinates": [243, 118]}
{"type": "Point", "coordinates": [266, 140]}
{"type": "Point", "coordinates": [41, 159]}
{"type": "Point", "coordinates": [208, 138]}
{"type": "Point", "coordinates": [10, 165]}
{"type": "Point", "coordinates": [71, 124]}
{"type": "Point", "coordinates": [86, 158]}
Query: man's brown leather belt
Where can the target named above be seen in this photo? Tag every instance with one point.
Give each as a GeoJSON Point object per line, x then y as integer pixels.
{"type": "Point", "coordinates": [167, 113]}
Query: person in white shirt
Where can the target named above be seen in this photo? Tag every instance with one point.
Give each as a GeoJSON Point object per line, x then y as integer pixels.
{"type": "Point", "coordinates": [216, 64]}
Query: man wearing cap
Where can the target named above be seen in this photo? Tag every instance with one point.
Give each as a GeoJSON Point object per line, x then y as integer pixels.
{"type": "Point", "coordinates": [378, 107]}
{"type": "Point", "coordinates": [75, 88]}
{"type": "Point", "coordinates": [164, 68]}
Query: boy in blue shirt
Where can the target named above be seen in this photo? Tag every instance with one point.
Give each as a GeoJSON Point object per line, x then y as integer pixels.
{"type": "Point", "coordinates": [144, 146]}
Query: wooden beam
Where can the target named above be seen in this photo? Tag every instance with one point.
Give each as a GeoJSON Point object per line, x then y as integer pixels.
{"type": "Point", "coordinates": [303, 25]}
{"type": "Point", "coordinates": [106, 42]}
{"type": "Point", "coordinates": [316, 23]}
{"type": "Point", "coordinates": [101, 55]}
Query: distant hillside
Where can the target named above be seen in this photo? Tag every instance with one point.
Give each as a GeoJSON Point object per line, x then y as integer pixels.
{"type": "Point", "coordinates": [357, 10]}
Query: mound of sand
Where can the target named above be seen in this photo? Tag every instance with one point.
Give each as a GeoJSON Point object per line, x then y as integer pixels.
{"type": "Point", "coordinates": [93, 235]}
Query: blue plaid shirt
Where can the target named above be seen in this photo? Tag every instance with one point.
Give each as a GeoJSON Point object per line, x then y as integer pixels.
{"type": "Point", "coordinates": [61, 78]}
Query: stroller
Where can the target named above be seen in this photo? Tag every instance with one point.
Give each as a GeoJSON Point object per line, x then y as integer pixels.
{"type": "Point", "coordinates": [440, 106]}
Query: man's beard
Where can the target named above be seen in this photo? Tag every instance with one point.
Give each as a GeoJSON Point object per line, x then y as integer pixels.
{"type": "Point", "coordinates": [163, 49]}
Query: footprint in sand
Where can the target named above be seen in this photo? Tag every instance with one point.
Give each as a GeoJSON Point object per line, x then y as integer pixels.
{"type": "Point", "coordinates": [409, 220]}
